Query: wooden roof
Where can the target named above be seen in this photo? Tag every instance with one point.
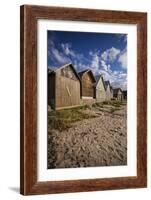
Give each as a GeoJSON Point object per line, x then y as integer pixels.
{"type": "Point", "coordinates": [87, 71]}
{"type": "Point", "coordinates": [107, 83]}
{"type": "Point", "coordinates": [55, 69]}
{"type": "Point", "coordinates": [115, 91]}
{"type": "Point", "coordinates": [97, 78]}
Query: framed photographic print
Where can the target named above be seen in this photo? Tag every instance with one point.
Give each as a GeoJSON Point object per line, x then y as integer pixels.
{"type": "Point", "coordinates": [83, 100]}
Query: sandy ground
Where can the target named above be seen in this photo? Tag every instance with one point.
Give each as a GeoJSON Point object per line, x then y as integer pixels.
{"type": "Point", "coordinates": [100, 141]}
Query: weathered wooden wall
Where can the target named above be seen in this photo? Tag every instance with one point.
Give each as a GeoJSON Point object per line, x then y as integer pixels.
{"type": "Point", "coordinates": [111, 94]}
{"type": "Point", "coordinates": [88, 101]}
{"type": "Point", "coordinates": [67, 89]}
{"type": "Point", "coordinates": [87, 85]}
{"type": "Point", "coordinates": [108, 93]}
{"type": "Point", "coordinates": [120, 96]}
{"type": "Point", "coordinates": [67, 92]}
{"type": "Point", "coordinates": [125, 95]}
{"type": "Point", "coordinates": [51, 90]}
{"type": "Point", "coordinates": [100, 91]}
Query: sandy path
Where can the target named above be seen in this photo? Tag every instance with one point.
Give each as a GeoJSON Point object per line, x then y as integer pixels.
{"type": "Point", "coordinates": [100, 141]}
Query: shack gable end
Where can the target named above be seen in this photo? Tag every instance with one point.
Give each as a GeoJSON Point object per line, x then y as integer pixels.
{"type": "Point", "coordinates": [87, 89]}
{"type": "Point", "coordinates": [109, 95]}
{"type": "Point", "coordinates": [100, 90]}
{"type": "Point", "coordinates": [68, 73]}
{"type": "Point", "coordinates": [67, 87]}
{"type": "Point", "coordinates": [100, 84]}
{"type": "Point", "coordinates": [118, 94]}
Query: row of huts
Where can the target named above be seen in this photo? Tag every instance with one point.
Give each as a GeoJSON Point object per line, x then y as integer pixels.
{"type": "Point", "coordinates": [67, 88]}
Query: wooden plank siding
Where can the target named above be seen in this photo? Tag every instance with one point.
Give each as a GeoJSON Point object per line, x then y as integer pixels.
{"type": "Point", "coordinates": [51, 90]}
{"type": "Point", "coordinates": [88, 80]}
{"type": "Point", "coordinates": [111, 93]}
{"type": "Point", "coordinates": [87, 86]}
{"type": "Point", "coordinates": [100, 92]}
{"type": "Point", "coordinates": [108, 93]}
{"type": "Point", "coordinates": [67, 92]}
{"type": "Point", "coordinates": [118, 94]}
{"type": "Point", "coordinates": [64, 86]}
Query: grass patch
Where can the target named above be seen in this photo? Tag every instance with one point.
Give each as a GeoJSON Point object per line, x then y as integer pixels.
{"type": "Point", "coordinates": [95, 105]}
{"type": "Point", "coordinates": [113, 109]}
{"type": "Point", "coordinates": [115, 103]}
{"type": "Point", "coordinates": [63, 119]}
{"type": "Point", "coordinates": [84, 107]}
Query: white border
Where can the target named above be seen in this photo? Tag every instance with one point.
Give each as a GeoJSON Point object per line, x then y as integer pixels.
{"type": "Point", "coordinates": [45, 174]}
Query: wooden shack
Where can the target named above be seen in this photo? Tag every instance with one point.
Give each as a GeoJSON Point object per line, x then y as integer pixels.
{"type": "Point", "coordinates": [109, 92]}
{"type": "Point", "coordinates": [63, 87]}
{"type": "Point", "coordinates": [118, 94]}
{"type": "Point", "coordinates": [100, 90]}
{"type": "Point", "coordinates": [125, 94]}
{"type": "Point", "coordinates": [111, 88]}
{"type": "Point", "coordinates": [87, 87]}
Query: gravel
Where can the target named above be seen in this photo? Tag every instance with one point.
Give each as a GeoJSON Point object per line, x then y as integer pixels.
{"type": "Point", "coordinates": [99, 141]}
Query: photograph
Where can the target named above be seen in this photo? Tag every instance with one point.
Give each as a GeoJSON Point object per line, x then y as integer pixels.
{"type": "Point", "coordinates": [83, 99]}
{"type": "Point", "coordinates": [86, 99]}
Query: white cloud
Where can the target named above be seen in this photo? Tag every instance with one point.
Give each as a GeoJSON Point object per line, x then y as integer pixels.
{"type": "Point", "coordinates": [116, 78]}
{"type": "Point", "coordinates": [98, 64]}
{"type": "Point", "coordinates": [123, 59]}
{"type": "Point", "coordinates": [67, 49]}
{"type": "Point", "coordinates": [122, 37]}
{"type": "Point", "coordinates": [59, 57]}
{"type": "Point", "coordinates": [95, 62]}
{"type": "Point", "coordinates": [91, 53]}
{"type": "Point", "coordinates": [105, 66]}
{"type": "Point", "coordinates": [110, 55]}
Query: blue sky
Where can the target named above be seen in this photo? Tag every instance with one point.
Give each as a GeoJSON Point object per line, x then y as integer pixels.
{"type": "Point", "coordinates": [103, 53]}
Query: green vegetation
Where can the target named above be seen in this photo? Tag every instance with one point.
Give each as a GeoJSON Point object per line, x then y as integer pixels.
{"type": "Point", "coordinates": [95, 105]}
{"type": "Point", "coordinates": [113, 109]}
{"type": "Point", "coordinates": [113, 103]}
{"type": "Point", "coordinates": [63, 119]}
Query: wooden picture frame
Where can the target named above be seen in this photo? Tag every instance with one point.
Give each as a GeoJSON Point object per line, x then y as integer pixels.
{"type": "Point", "coordinates": [28, 124]}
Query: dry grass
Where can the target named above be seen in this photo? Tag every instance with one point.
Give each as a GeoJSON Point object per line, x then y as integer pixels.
{"type": "Point", "coordinates": [114, 103]}
{"type": "Point", "coordinates": [63, 119]}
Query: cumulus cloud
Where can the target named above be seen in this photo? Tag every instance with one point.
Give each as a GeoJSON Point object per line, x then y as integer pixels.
{"type": "Point", "coordinates": [103, 65]}
{"type": "Point", "coordinates": [99, 63]}
{"type": "Point", "coordinates": [122, 37]}
{"type": "Point", "coordinates": [57, 56]}
{"type": "Point", "coordinates": [95, 63]}
{"type": "Point", "coordinates": [67, 49]}
{"type": "Point", "coordinates": [116, 78]}
{"type": "Point", "coordinates": [110, 55]}
{"type": "Point", "coordinates": [123, 59]}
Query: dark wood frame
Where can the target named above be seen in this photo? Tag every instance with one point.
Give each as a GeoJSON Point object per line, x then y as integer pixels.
{"type": "Point", "coordinates": [28, 123]}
